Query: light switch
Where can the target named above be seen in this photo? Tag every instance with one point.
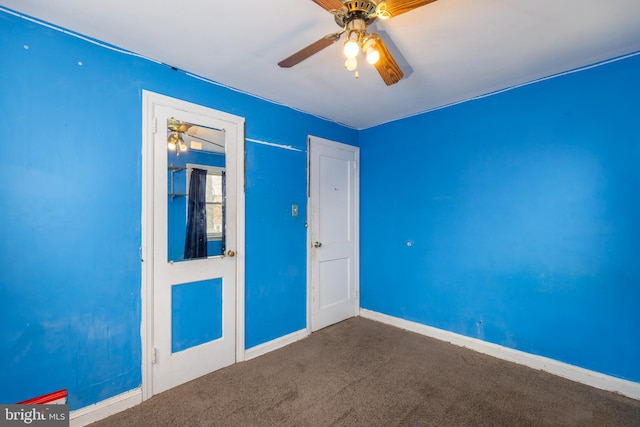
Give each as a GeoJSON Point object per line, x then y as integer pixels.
{"type": "Point", "coordinates": [294, 210]}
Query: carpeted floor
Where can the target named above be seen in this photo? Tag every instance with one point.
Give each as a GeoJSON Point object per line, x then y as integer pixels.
{"type": "Point", "coordinates": [364, 373]}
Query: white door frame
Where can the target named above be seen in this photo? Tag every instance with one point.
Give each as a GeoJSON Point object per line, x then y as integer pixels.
{"type": "Point", "coordinates": [312, 174]}
{"type": "Point", "coordinates": [149, 101]}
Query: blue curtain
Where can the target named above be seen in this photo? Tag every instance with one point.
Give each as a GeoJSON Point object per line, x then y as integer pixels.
{"type": "Point", "coordinates": [195, 245]}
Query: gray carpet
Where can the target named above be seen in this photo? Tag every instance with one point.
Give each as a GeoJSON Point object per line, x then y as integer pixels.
{"type": "Point", "coordinates": [364, 373]}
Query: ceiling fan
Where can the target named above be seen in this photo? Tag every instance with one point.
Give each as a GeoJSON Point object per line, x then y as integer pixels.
{"type": "Point", "coordinates": [353, 16]}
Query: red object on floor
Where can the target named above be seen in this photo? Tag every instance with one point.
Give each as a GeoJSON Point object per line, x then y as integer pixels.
{"type": "Point", "coordinates": [59, 396]}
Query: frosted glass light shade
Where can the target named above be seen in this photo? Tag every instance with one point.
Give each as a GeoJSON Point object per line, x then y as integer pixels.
{"type": "Point", "coordinates": [351, 49]}
{"type": "Point", "coordinates": [373, 56]}
{"type": "Point", "coordinates": [351, 64]}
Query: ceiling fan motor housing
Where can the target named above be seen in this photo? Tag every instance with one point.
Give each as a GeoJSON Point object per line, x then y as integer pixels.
{"type": "Point", "coordinates": [356, 9]}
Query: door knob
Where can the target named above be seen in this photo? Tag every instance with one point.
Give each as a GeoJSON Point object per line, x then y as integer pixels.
{"type": "Point", "coordinates": [317, 244]}
{"type": "Point", "coordinates": [230, 253]}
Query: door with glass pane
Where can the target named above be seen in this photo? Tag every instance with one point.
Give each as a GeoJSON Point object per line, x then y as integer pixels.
{"type": "Point", "coordinates": [196, 241]}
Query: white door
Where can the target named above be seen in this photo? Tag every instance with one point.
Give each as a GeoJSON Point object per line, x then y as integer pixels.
{"type": "Point", "coordinates": [333, 232]}
{"type": "Point", "coordinates": [192, 304]}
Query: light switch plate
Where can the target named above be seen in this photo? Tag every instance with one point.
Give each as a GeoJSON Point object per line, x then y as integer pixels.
{"type": "Point", "coordinates": [294, 210]}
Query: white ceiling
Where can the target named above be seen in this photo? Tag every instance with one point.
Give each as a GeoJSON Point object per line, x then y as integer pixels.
{"type": "Point", "coordinates": [450, 50]}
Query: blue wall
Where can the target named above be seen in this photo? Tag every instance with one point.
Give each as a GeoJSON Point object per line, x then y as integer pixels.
{"type": "Point", "coordinates": [276, 299]}
{"type": "Point", "coordinates": [521, 209]}
{"type": "Point", "coordinates": [71, 200]}
{"type": "Point", "coordinates": [514, 218]}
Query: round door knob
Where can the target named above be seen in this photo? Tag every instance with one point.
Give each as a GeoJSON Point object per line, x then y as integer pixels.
{"type": "Point", "coordinates": [230, 253]}
{"type": "Point", "coordinates": [317, 244]}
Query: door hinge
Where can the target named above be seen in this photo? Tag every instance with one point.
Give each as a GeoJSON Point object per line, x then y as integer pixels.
{"type": "Point", "coordinates": [154, 352]}
{"type": "Point", "coordinates": [154, 125]}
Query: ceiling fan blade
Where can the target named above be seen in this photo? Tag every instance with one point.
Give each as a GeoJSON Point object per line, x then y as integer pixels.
{"type": "Point", "coordinates": [329, 4]}
{"type": "Point", "coordinates": [312, 49]}
{"type": "Point", "coordinates": [387, 67]}
{"type": "Point", "coordinates": [398, 7]}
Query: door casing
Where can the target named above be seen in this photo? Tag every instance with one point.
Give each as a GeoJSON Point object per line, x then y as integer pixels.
{"type": "Point", "coordinates": [149, 101]}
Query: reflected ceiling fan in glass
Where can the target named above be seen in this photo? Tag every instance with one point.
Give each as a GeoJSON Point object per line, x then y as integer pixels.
{"type": "Point", "coordinates": [175, 142]}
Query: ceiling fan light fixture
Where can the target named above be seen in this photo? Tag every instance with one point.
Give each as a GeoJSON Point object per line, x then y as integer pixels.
{"type": "Point", "coordinates": [176, 143]}
{"type": "Point", "coordinates": [172, 142]}
{"type": "Point", "coordinates": [353, 17]}
{"type": "Point", "coordinates": [369, 47]}
{"type": "Point", "coordinates": [373, 56]}
{"type": "Point", "coordinates": [354, 37]}
{"type": "Point", "coordinates": [181, 144]}
{"type": "Point", "coordinates": [351, 48]}
{"type": "Point", "coordinates": [351, 64]}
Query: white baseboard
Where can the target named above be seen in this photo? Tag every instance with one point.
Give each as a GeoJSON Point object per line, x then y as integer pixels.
{"type": "Point", "coordinates": [105, 408]}
{"type": "Point", "coordinates": [269, 346]}
{"type": "Point", "coordinates": [565, 370]}
{"type": "Point", "coordinates": [92, 413]}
